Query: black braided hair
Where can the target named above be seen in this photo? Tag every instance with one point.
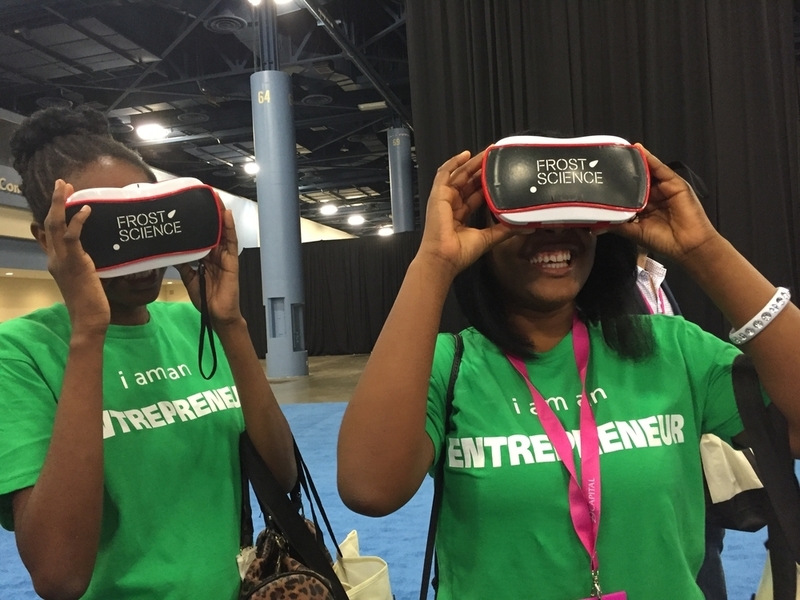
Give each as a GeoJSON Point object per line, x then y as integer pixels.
{"type": "Point", "coordinates": [56, 143]}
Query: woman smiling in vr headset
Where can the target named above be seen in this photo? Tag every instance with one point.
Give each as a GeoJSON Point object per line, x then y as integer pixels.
{"type": "Point", "coordinates": [119, 463]}
{"type": "Point", "coordinates": [553, 361]}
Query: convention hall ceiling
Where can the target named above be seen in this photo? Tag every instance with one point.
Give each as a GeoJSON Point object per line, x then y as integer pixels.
{"type": "Point", "coordinates": [186, 64]}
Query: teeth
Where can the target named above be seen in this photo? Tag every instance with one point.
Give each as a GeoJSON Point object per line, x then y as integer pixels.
{"type": "Point", "coordinates": [552, 259]}
{"type": "Point", "coordinates": [142, 275]}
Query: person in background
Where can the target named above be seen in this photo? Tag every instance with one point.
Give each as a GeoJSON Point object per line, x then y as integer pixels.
{"type": "Point", "coordinates": [119, 463]}
{"type": "Point", "coordinates": [655, 297]}
{"type": "Point", "coordinates": [517, 519]}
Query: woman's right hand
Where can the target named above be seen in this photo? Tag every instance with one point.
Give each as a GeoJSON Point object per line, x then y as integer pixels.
{"type": "Point", "coordinates": [72, 268]}
{"type": "Point", "coordinates": [455, 196]}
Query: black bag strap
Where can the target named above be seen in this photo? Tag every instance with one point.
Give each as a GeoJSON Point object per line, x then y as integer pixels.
{"type": "Point", "coordinates": [768, 436]}
{"type": "Point", "coordinates": [246, 523]}
{"type": "Point", "coordinates": [284, 514]}
{"type": "Point", "coordinates": [304, 479]}
{"type": "Point", "coordinates": [438, 480]}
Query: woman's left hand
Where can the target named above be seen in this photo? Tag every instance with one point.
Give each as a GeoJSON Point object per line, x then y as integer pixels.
{"type": "Point", "coordinates": [222, 277]}
{"type": "Point", "coordinates": [673, 223]}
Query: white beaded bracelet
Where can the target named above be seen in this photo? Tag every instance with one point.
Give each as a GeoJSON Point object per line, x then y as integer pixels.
{"type": "Point", "coordinates": [765, 316]}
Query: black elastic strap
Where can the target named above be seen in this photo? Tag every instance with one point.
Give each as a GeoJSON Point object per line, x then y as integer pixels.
{"type": "Point", "coordinates": [438, 480]}
{"type": "Point", "coordinates": [276, 503]}
{"type": "Point", "coordinates": [304, 476]}
{"type": "Point", "coordinates": [246, 523]}
{"type": "Point", "coordinates": [205, 326]}
{"type": "Point", "coordinates": [768, 436]}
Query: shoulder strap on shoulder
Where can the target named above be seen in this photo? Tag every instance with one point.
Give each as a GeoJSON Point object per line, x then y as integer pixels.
{"type": "Point", "coordinates": [439, 477]}
{"type": "Point", "coordinates": [768, 436]}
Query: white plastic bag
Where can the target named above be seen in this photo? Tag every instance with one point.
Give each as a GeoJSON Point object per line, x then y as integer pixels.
{"type": "Point", "coordinates": [727, 471]}
{"type": "Point", "coordinates": [765, 586]}
{"type": "Point", "coordinates": [363, 577]}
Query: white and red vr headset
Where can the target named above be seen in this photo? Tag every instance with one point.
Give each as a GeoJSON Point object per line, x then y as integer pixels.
{"type": "Point", "coordinates": [148, 225]}
{"type": "Point", "coordinates": [592, 181]}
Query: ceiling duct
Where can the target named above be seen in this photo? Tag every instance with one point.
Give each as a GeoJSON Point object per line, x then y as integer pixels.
{"type": "Point", "coordinates": [51, 101]}
{"type": "Point", "coordinates": [116, 125]}
{"type": "Point", "coordinates": [193, 118]}
{"type": "Point", "coordinates": [316, 100]}
{"type": "Point", "coordinates": [231, 17]}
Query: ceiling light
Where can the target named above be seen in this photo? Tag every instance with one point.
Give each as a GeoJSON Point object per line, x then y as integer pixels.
{"type": "Point", "coordinates": [372, 105]}
{"type": "Point", "coordinates": [251, 168]}
{"type": "Point", "coordinates": [328, 209]}
{"type": "Point", "coordinates": [152, 131]}
{"type": "Point", "coordinates": [9, 274]}
{"type": "Point", "coordinates": [387, 230]}
{"type": "Point", "coordinates": [356, 220]}
{"type": "Point", "coordinates": [255, 2]}
{"type": "Point", "coordinates": [282, 1]}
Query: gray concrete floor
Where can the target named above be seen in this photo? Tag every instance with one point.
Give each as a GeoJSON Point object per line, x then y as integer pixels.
{"type": "Point", "coordinates": [330, 379]}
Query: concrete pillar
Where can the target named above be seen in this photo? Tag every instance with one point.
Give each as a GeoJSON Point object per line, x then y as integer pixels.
{"type": "Point", "coordinates": [279, 223]}
{"type": "Point", "coordinates": [401, 192]}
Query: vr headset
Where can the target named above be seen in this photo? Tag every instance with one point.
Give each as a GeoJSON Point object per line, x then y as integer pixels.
{"type": "Point", "coordinates": [592, 181]}
{"type": "Point", "coordinates": [148, 225]}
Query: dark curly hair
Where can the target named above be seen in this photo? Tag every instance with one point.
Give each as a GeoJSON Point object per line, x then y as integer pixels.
{"type": "Point", "coordinates": [58, 142]}
{"type": "Point", "coordinates": [607, 297]}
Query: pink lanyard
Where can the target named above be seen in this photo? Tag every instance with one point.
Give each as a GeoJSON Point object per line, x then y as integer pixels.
{"type": "Point", "coordinates": [584, 498]}
{"type": "Point", "coordinates": [661, 304]}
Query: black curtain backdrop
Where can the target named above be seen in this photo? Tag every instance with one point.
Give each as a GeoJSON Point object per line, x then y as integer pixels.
{"type": "Point", "coordinates": [712, 83]}
{"type": "Point", "coordinates": [350, 286]}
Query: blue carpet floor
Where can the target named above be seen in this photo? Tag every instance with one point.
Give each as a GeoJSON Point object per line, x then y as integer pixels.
{"type": "Point", "coordinates": [400, 537]}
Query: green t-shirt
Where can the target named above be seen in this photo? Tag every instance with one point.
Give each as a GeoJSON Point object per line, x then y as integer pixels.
{"type": "Point", "coordinates": [505, 530]}
{"type": "Point", "coordinates": [171, 511]}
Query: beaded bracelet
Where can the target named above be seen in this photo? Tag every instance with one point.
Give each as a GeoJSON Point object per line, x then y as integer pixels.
{"type": "Point", "coordinates": [765, 316]}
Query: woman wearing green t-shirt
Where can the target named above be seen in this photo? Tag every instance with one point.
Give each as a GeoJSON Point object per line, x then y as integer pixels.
{"type": "Point", "coordinates": [515, 523]}
{"type": "Point", "coordinates": [119, 466]}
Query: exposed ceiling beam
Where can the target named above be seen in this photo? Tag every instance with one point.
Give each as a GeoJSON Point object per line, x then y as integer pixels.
{"type": "Point", "coordinates": [96, 38]}
{"type": "Point", "coordinates": [354, 55]}
{"type": "Point", "coordinates": [181, 36]}
{"type": "Point", "coordinates": [398, 23]}
{"type": "Point", "coordinates": [346, 134]}
{"type": "Point", "coordinates": [218, 135]}
{"type": "Point", "coordinates": [23, 36]}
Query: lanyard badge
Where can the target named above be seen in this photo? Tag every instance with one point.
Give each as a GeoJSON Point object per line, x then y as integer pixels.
{"type": "Point", "coordinates": [584, 496]}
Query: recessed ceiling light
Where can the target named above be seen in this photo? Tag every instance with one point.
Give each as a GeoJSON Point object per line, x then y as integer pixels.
{"type": "Point", "coordinates": [328, 209]}
{"type": "Point", "coordinates": [255, 2]}
{"type": "Point", "coordinates": [169, 283]}
{"type": "Point", "coordinates": [380, 105]}
{"type": "Point", "coordinates": [387, 230]}
{"type": "Point", "coordinates": [251, 168]}
{"type": "Point", "coordinates": [9, 274]}
{"type": "Point", "coordinates": [282, 1]}
{"type": "Point", "coordinates": [152, 131]}
{"type": "Point", "coordinates": [355, 220]}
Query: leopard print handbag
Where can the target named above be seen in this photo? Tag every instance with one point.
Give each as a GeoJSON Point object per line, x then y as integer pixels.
{"type": "Point", "coordinates": [277, 573]}
{"type": "Point", "coordinates": [291, 560]}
